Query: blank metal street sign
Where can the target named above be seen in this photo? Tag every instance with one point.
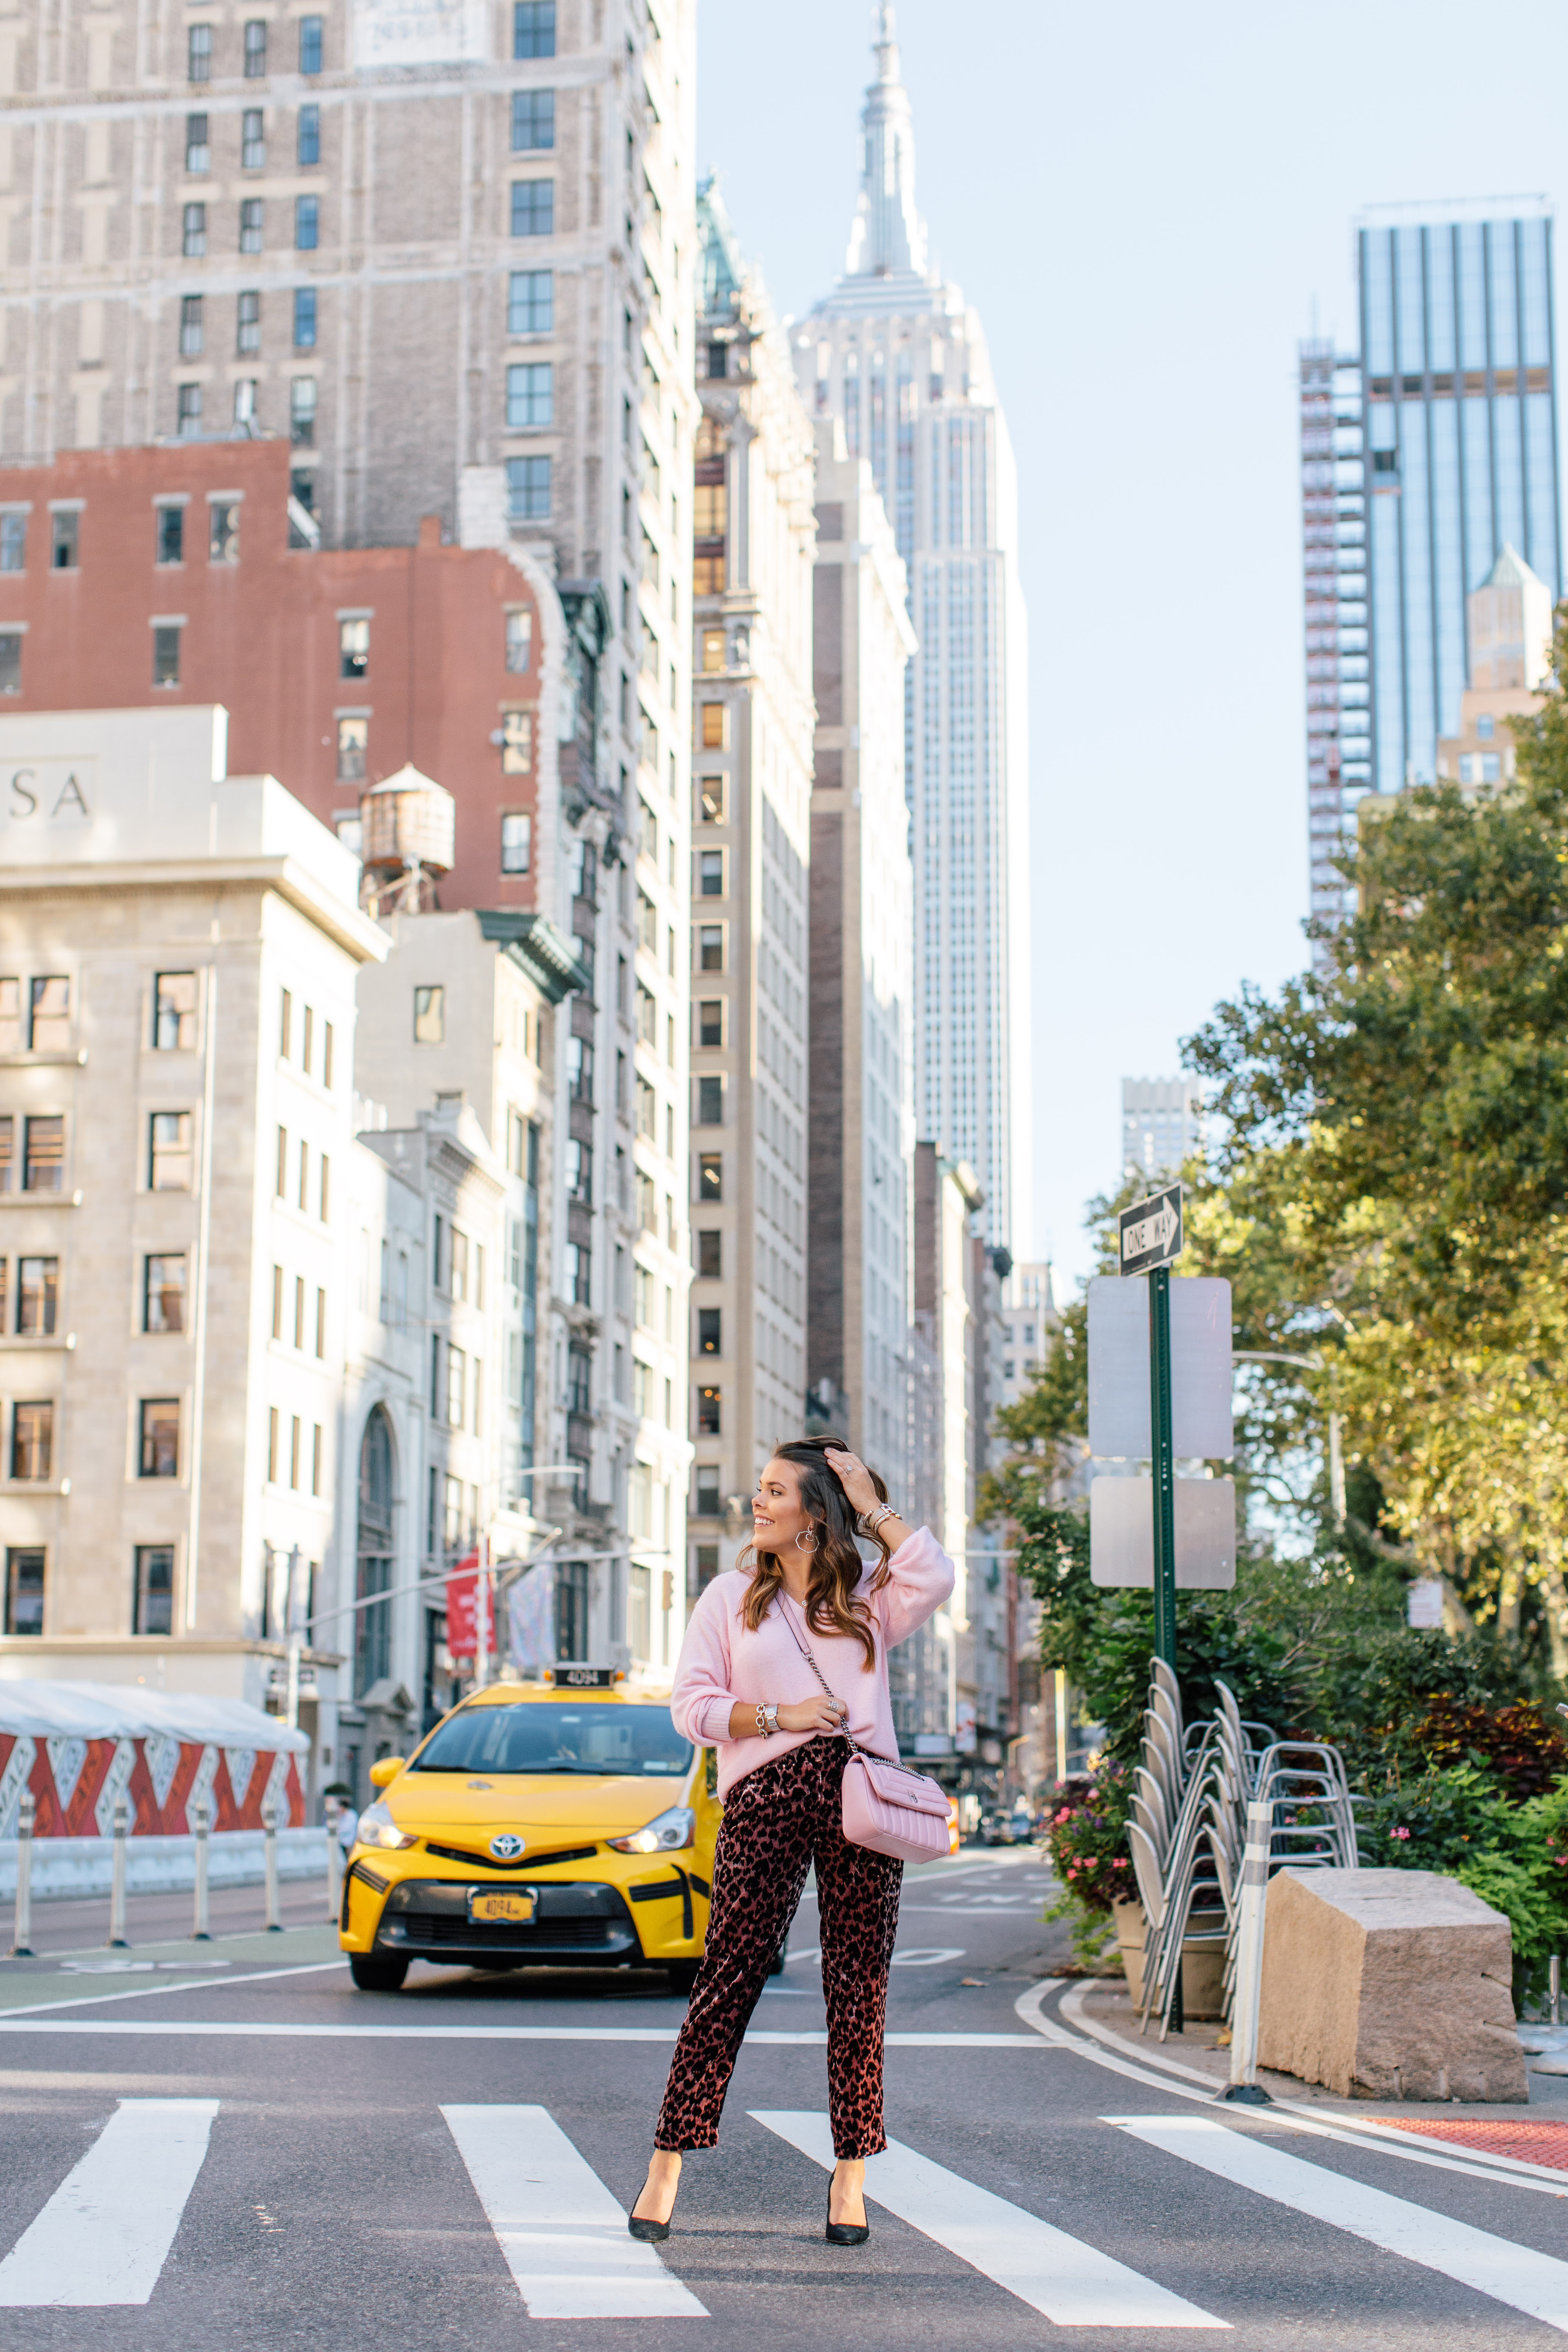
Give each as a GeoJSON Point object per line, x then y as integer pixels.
{"type": "Point", "coordinates": [1118, 1416]}
{"type": "Point", "coordinates": [1121, 1533]}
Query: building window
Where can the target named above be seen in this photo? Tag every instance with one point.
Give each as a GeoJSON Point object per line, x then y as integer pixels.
{"type": "Point", "coordinates": [256, 49]}
{"type": "Point", "coordinates": [516, 742]}
{"type": "Point", "coordinates": [528, 488]}
{"type": "Point", "coordinates": [707, 1503]}
{"type": "Point", "coordinates": [518, 641]}
{"type": "Point", "coordinates": [515, 840]}
{"type": "Point", "coordinates": [66, 538]}
{"type": "Point", "coordinates": [533, 208]}
{"type": "Point", "coordinates": [23, 1591]}
{"type": "Point", "coordinates": [38, 1293]}
{"type": "Point", "coordinates": [199, 53]}
{"type": "Point", "coordinates": [223, 531]}
{"type": "Point", "coordinates": [190, 326]}
{"type": "Point", "coordinates": [354, 746]}
{"type": "Point", "coordinates": [579, 1273]}
{"type": "Point", "coordinates": [10, 661]}
{"type": "Point", "coordinates": [711, 874]}
{"type": "Point", "coordinates": [48, 1015]}
{"type": "Point", "coordinates": [710, 1102]}
{"type": "Point", "coordinates": [198, 153]}
{"type": "Point", "coordinates": [711, 947]}
{"type": "Point", "coordinates": [302, 412]}
{"type": "Point", "coordinates": [174, 1012]}
{"type": "Point", "coordinates": [530, 394]}
{"type": "Point", "coordinates": [531, 302]}
{"type": "Point", "coordinates": [247, 324]}
{"type": "Point", "coordinates": [170, 529]}
{"type": "Point", "coordinates": [43, 1155]}
{"type": "Point", "coordinates": [32, 1439]}
{"type": "Point", "coordinates": [715, 726]}
{"type": "Point", "coordinates": [533, 28]}
{"type": "Point", "coordinates": [169, 1151]}
{"type": "Point", "coordinates": [709, 1414]}
{"type": "Point", "coordinates": [187, 410]}
{"type": "Point", "coordinates": [710, 1176]}
{"type": "Point", "coordinates": [580, 1069]}
{"type": "Point", "coordinates": [308, 145]}
{"type": "Point", "coordinates": [709, 1323]}
{"type": "Point", "coordinates": [711, 1253]}
{"type": "Point", "coordinates": [307, 223]}
{"type": "Point", "coordinates": [579, 1171]}
{"type": "Point", "coordinates": [163, 1294]}
{"type": "Point", "coordinates": [353, 648]}
{"type": "Point", "coordinates": [194, 233]}
{"type": "Point", "coordinates": [12, 542]}
{"type": "Point", "coordinates": [304, 318]}
{"type": "Point", "coordinates": [712, 649]}
{"type": "Point", "coordinates": [532, 120]}
{"type": "Point", "coordinates": [250, 224]}
{"type": "Point", "coordinates": [430, 1017]}
{"type": "Point", "coordinates": [153, 1604]}
{"type": "Point", "coordinates": [159, 1442]}
{"type": "Point", "coordinates": [252, 140]}
{"type": "Point", "coordinates": [710, 1020]}
{"type": "Point", "coordinates": [166, 657]}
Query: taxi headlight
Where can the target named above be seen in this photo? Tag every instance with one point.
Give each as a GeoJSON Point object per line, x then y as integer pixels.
{"type": "Point", "coordinates": [376, 1827]}
{"type": "Point", "coordinates": [663, 1834]}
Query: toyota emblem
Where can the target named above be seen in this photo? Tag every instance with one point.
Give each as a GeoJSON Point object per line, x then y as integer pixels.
{"type": "Point", "coordinates": [507, 1846]}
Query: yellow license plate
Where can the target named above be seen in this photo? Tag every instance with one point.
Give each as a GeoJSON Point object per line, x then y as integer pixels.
{"type": "Point", "coordinates": [500, 1907]}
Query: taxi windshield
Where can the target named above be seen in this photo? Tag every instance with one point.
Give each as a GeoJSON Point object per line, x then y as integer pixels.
{"type": "Point", "coordinates": [543, 1737]}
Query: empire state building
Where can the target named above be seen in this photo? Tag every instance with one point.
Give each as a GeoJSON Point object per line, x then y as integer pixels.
{"type": "Point", "coordinates": [895, 352]}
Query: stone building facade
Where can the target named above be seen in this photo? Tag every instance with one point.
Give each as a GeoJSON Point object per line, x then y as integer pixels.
{"type": "Point", "coordinates": [750, 913]}
{"type": "Point", "coordinates": [178, 954]}
{"type": "Point", "coordinates": [862, 1113]}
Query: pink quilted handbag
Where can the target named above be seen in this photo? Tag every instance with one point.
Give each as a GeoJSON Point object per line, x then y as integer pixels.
{"type": "Point", "coordinates": [888, 1807]}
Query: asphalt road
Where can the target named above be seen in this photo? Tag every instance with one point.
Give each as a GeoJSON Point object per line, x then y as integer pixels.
{"type": "Point", "coordinates": [251, 2155]}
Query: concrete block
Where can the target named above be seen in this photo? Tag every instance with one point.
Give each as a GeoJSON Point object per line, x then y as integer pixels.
{"type": "Point", "coordinates": [1388, 1984]}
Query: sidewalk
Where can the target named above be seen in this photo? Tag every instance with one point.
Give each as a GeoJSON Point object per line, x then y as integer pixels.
{"type": "Point", "coordinates": [77, 1922]}
{"type": "Point", "coordinates": [1512, 2134]}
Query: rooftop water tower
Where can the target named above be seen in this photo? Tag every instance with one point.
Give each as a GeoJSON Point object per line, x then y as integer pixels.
{"type": "Point", "coordinates": [409, 840]}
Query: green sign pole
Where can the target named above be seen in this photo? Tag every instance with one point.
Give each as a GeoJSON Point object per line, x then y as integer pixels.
{"type": "Point", "coordinates": [1165, 1464]}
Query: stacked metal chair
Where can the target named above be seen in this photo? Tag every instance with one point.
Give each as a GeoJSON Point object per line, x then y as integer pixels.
{"type": "Point", "coordinates": [1188, 1826]}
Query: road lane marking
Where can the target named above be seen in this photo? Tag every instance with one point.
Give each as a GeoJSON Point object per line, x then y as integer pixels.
{"type": "Point", "coordinates": [105, 2234]}
{"type": "Point", "coordinates": [927, 1956]}
{"type": "Point", "coordinates": [562, 2233]}
{"type": "Point", "coordinates": [197, 1984]}
{"type": "Point", "coordinates": [1071, 2284]}
{"type": "Point", "coordinates": [271, 2028]}
{"type": "Point", "coordinates": [1535, 2283]}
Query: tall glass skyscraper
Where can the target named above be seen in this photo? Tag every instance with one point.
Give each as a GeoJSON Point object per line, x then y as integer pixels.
{"type": "Point", "coordinates": [1455, 430]}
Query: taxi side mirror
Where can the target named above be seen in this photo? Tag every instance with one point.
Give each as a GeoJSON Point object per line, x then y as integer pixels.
{"type": "Point", "coordinates": [385, 1770]}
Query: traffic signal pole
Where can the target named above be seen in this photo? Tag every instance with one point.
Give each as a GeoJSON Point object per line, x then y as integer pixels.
{"type": "Point", "coordinates": [1165, 1464]}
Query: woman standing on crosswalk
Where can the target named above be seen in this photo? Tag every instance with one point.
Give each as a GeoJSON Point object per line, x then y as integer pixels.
{"type": "Point", "coordinates": [744, 1684]}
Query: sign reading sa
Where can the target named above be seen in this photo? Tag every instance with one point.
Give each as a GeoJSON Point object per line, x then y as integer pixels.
{"type": "Point", "coordinates": [1150, 1232]}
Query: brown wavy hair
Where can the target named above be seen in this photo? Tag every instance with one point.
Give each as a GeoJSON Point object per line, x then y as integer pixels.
{"type": "Point", "coordinates": [836, 1568]}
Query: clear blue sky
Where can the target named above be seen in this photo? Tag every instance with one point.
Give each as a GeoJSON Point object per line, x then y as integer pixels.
{"type": "Point", "coordinates": [1144, 203]}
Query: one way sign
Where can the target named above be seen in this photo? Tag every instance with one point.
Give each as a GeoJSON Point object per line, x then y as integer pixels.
{"type": "Point", "coordinates": [1151, 1231]}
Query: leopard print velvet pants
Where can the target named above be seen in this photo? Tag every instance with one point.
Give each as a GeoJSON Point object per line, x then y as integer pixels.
{"type": "Point", "coordinates": [778, 1820]}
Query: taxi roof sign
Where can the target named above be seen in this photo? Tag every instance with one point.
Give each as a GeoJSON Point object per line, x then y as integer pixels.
{"type": "Point", "coordinates": [1150, 1232]}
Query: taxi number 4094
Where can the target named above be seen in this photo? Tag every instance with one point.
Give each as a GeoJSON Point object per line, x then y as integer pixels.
{"type": "Point", "coordinates": [485, 1905]}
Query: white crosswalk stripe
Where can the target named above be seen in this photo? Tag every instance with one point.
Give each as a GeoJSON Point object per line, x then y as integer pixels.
{"type": "Point", "coordinates": [1071, 2284]}
{"type": "Point", "coordinates": [105, 2233]}
{"type": "Point", "coordinates": [562, 2233]}
{"type": "Point", "coordinates": [1517, 2275]}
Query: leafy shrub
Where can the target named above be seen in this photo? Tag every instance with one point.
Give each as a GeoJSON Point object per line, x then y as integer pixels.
{"type": "Point", "coordinates": [1086, 1835]}
{"type": "Point", "coordinates": [1514, 1746]}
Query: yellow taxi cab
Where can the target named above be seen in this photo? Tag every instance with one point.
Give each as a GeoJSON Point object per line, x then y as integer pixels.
{"type": "Point", "coordinates": [556, 1824]}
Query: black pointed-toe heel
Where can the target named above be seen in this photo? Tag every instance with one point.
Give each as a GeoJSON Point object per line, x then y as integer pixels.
{"type": "Point", "coordinates": [652, 2234]}
{"type": "Point", "coordinates": [845, 2233]}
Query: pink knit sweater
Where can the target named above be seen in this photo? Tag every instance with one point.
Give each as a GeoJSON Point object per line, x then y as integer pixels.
{"type": "Point", "coordinates": [722, 1660]}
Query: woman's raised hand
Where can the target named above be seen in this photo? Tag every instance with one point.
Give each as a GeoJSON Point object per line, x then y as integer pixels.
{"type": "Point", "coordinates": [821, 1714]}
{"type": "Point", "coordinates": [855, 1478]}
